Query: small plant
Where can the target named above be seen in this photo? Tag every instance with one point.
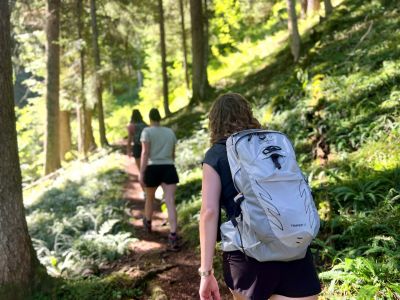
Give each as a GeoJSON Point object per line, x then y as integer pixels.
{"type": "Point", "coordinates": [362, 277]}
{"type": "Point", "coordinates": [360, 195]}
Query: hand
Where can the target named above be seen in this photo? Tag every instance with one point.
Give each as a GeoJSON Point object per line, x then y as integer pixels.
{"type": "Point", "coordinates": [209, 288]}
{"type": "Point", "coordinates": [129, 151]}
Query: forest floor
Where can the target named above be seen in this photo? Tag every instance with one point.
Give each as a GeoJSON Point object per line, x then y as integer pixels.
{"type": "Point", "coordinates": [160, 273]}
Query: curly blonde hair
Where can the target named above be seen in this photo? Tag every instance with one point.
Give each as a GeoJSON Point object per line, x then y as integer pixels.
{"type": "Point", "coordinates": [230, 113]}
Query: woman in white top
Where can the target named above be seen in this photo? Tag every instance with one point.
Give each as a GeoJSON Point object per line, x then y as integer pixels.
{"type": "Point", "coordinates": [157, 168]}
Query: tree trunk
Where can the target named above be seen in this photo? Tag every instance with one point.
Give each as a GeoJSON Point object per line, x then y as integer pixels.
{"type": "Point", "coordinates": [90, 143]}
{"type": "Point", "coordinates": [98, 84]}
{"type": "Point", "coordinates": [163, 57]}
{"type": "Point", "coordinates": [80, 117]}
{"type": "Point", "coordinates": [199, 72]}
{"type": "Point", "coordinates": [313, 6]}
{"type": "Point", "coordinates": [206, 46]}
{"type": "Point", "coordinates": [19, 267]}
{"type": "Point", "coordinates": [65, 133]}
{"type": "Point", "coordinates": [328, 7]}
{"type": "Point", "coordinates": [293, 29]}
{"type": "Point", "coordinates": [52, 142]}
{"type": "Point", "coordinates": [139, 79]}
{"type": "Point", "coordinates": [81, 101]}
{"type": "Point", "coordinates": [184, 48]}
{"type": "Point", "coordinates": [303, 4]}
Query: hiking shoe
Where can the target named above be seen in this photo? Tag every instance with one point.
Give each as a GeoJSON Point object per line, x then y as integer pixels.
{"type": "Point", "coordinates": [146, 225]}
{"type": "Point", "coordinates": [173, 243]}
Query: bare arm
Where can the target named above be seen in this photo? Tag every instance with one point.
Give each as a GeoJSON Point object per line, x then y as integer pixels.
{"type": "Point", "coordinates": [144, 160]}
{"type": "Point", "coordinates": [209, 213]}
{"type": "Point", "coordinates": [131, 132]}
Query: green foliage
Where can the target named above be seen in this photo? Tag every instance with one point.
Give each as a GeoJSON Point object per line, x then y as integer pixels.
{"type": "Point", "coordinates": [30, 123]}
{"type": "Point", "coordinates": [113, 287]}
{"type": "Point", "coordinates": [130, 63]}
{"type": "Point", "coordinates": [116, 122]}
{"type": "Point", "coordinates": [362, 194]}
{"type": "Point", "coordinates": [362, 277]}
{"type": "Point", "coordinates": [189, 218]}
{"type": "Point", "coordinates": [191, 150]}
{"type": "Point", "coordinates": [224, 24]}
{"type": "Point", "coordinates": [189, 202]}
{"type": "Point", "coordinates": [79, 222]}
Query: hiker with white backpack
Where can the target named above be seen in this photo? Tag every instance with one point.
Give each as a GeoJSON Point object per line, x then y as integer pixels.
{"type": "Point", "coordinates": [252, 174]}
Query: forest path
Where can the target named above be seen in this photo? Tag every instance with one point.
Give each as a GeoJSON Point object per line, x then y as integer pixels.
{"type": "Point", "coordinates": [169, 275]}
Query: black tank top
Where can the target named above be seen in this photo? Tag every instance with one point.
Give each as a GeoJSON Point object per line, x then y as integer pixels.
{"type": "Point", "coordinates": [217, 158]}
{"type": "Point", "coordinates": [138, 131]}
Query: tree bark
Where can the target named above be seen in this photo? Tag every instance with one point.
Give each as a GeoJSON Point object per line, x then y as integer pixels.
{"type": "Point", "coordinates": [65, 133]}
{"type": "Point", "coordinates": [81, 101]}
{"type": "Point", "coordinates": [206, 45]}
{"type": "Point", "coordinates": [184, 47]}
{"type": "Point", "coordinates": [90, 143]}
{"type": "Point", "coordinates": [98, 84]}
{"type": "Point", "coordinates": [52, 143]}
{"type": "Point", "coordinates": [18, 263]}
{"type": "Point", "coordinates": [303, 4]}
{"type": "Point", "coordinates": [163, 57]}
{"type": "Point", "coordinates": [199, 72]}
{"type": "Point", "coordinates": [295, 42]}
{"type": "Point", "coordinates": [313, 6]}
{"type": "Point", "coordinates": [328, 7]}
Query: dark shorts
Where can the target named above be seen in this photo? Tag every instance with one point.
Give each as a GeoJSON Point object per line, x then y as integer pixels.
{"type": "Point", "coordinates": [259, 280]}
{"type": "Point", "coordinates": [137, 150]}
{"type": "Point", "coordinates": [157, 174]}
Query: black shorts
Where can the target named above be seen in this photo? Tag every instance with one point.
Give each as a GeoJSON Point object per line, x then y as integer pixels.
{"type": "Point", "coordinates": [137, 150]}
{"type": "Point", "coordinates": [154, 175]}
{"type": "Point", "coordinates": [259, 280]}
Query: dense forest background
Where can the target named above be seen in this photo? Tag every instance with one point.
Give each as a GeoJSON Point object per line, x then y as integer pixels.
{"type": "Point", "coordinates": [327, 73]}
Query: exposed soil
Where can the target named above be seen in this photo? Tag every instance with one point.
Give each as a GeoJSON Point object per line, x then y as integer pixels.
{"type": "Point", "coordinates": [172, 274]}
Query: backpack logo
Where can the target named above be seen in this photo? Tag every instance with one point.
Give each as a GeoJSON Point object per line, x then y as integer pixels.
{"type": "Point", "coordinates": [278, 218]}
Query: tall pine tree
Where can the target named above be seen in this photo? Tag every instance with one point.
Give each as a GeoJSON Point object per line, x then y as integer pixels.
{"type": "Point", "coordinates": [19, 267]}
{"type": "Point", "coordinates": [199, 69]}
{"type": "Point", "coordinates": [52, 141]}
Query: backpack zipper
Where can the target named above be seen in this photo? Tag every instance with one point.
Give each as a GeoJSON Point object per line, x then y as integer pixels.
{"type": "Point", "coordinates": [251, 132]}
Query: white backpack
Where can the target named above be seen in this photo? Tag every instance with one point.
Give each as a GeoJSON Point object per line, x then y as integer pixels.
{"type": "Point", "coordinates": [278, 217]}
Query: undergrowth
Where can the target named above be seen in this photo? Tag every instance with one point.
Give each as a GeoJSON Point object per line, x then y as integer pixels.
{"type": "Point", "coordinates": [78, 222]}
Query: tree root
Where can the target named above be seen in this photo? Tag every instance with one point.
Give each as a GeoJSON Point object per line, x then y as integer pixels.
{"type": "Point", "coordinates": [141, 279]}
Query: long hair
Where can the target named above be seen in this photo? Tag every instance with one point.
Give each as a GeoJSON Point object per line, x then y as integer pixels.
{"type": "Point", "coordinates": [230, 113]}
{"type": "Point", "coordinates": [136, 116]}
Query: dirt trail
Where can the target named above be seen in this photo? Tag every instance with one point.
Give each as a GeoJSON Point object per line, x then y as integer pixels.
{"type": "Point", "coordinates": [174, 274]}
